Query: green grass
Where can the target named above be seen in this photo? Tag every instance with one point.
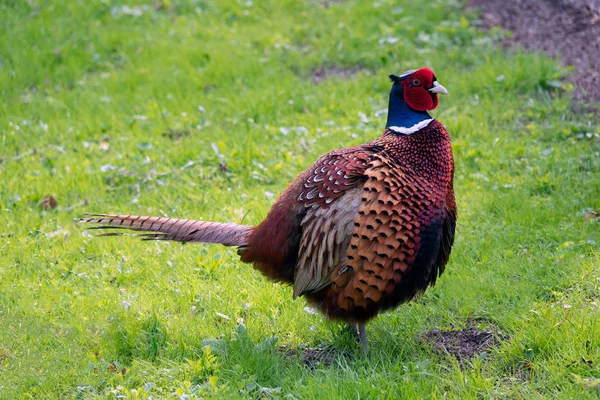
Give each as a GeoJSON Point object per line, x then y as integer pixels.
{"type": "Point", "coordinates": [206, 110]}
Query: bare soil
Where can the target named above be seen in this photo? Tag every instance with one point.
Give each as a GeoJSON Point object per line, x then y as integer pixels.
{"type": "Point", "coordinates": [322, 73]}
{"type": "Point", "coordinates": [567, 29]}
{"type": "Point", "coordinates": [312, 357]}
{"type": "Point", "coordinates": [463, 344]}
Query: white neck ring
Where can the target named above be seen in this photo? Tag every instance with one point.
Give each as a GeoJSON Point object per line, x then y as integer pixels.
{"type": "Point", "coordinates": [415, 128]}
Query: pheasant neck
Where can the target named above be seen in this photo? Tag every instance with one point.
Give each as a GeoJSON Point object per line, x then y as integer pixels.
{"type": "Point", "coordinates": [404, 120]}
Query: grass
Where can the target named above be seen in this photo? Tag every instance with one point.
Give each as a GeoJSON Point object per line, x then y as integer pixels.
{"type": "Point", "coordinates": [207, 110]}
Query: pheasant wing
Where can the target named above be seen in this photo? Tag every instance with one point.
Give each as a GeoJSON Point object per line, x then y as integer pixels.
{"type": "Point", "coordinates": [331, 194]}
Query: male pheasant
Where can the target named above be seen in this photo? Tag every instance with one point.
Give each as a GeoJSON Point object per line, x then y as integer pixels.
{"type": "Point", "coordinates": [364, 229]}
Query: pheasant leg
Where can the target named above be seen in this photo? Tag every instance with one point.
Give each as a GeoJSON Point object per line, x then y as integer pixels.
{"type": "Point", "coordinates": [362, 337]}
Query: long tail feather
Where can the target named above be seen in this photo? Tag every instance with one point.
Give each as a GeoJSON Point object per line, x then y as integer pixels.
{"type": "Point", "coordinates": [179, 230]}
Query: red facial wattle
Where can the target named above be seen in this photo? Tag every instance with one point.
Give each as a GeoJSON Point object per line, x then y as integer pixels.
{"type": "Point", "coordinates": [420, 99]}
{"type": "Point", "coordinates": [416, 90]}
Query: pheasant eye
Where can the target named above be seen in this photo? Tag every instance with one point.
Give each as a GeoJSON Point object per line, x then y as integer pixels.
{"type": "Point", "coordinates": [416, 82]}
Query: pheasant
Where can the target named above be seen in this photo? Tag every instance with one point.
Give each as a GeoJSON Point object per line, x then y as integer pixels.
{"type": "Point", "coordinates": [363, 230]}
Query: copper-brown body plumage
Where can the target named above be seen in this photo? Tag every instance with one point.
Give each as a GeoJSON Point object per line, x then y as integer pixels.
{"type": "Point", "coordinates": [367, 227]}
{"type": "Point", "coordinates": [361, 231]}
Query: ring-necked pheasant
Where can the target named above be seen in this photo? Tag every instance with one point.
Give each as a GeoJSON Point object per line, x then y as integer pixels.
{"type": "Point", "coordinates": [364, 229]}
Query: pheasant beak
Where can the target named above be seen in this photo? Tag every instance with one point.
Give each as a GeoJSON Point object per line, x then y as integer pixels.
{"type": "Point", "coordinates": [437, 88]}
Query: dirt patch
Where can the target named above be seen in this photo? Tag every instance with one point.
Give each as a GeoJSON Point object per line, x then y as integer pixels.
{"type": "Point", "coordinates": [463, 344]}
{"type": "Point", "coordinates": [176, 134]}
{"type": "Point", "coordinates": [327, 3]}
{"type": "Point", "coordinates": [591, 215]}
{"type": "Point", "coordinates": [311, 357]}
{"type": "Point", "coordinates": [48, 202]}
{"type": "Point", "coordinates": [568, 29]}
{"type": "Point", "coordinates": [322, 73]}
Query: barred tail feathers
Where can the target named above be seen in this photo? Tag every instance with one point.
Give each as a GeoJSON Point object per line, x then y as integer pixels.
{"type": "Point", "coordinates": [179, 230]}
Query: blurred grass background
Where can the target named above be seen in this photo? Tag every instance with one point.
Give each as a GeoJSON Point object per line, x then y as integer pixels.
{"type": "Point", "coordinates": [207, 110]}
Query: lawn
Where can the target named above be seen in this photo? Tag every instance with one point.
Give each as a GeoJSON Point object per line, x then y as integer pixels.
{"type": "Point", "coordinates": [206, 110]}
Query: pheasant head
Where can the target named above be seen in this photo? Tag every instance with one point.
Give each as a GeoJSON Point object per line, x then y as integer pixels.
{"type": "Point", "coordinates": [413, 94]}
